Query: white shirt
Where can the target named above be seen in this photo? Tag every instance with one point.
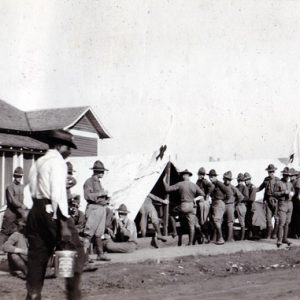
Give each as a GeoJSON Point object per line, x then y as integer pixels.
{"type": "Point", "coordinates": [47, 179]}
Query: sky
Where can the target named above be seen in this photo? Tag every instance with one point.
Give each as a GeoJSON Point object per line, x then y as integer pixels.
{"type": "Point", "coordinates": [225, 72]}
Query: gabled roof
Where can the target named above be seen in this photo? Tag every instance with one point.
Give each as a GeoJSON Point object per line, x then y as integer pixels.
{"type": "Point", "coordinates": [64, 118]}
{"type": "Point", "coordinates": [12, 118]}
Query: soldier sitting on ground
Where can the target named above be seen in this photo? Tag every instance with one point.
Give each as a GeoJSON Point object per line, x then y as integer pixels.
{"type": "Point", "coordinates": [16, 248]}
{"type": "Point", "coordinates": [124, 237]}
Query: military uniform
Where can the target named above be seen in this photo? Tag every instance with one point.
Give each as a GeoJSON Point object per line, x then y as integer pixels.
{"type": "Point", "coordinates": [295, 221]}
{"type": "Point", "coordinates": [188, 191]}
{"type": "Point", "coordinates": [282, 191]}
{"type": "Point", "coordinates": [270, 203]}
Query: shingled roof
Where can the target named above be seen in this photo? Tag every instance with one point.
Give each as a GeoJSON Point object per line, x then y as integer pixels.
{"type": "Point", "coordinates": [14, 119]}
{"type": "Point", "coordinates": [64, 118]}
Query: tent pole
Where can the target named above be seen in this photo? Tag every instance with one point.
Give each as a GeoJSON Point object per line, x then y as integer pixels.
{"type": "Point", "coordinates": [166, 207]}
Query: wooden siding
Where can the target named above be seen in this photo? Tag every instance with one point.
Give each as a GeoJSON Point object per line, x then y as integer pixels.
{"type": "Point", "coordinates": [86, 146]}
{"type": "Point", "coordinates": [84, 124]}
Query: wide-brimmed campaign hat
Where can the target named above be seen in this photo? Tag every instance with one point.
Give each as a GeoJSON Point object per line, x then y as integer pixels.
{"type": "Point", "coordinates": [286, 171]}
{"type": "Point", "coordinates": [123, 209]}
{"type": "Point", "coordinates": [212, 172]}
{"type": "Point", "coordinates": [240, 177]}
{"type": "Point", "coordinates": [293, 172]}
{"type": "Point", "coordinates": [70, 167]}
{"type": "Point", "coordinates": [247, 176]}
{"type": "Point", "coordinates": [201, 171]}
{"type": "Point", "coordinates": [271, 168]}
{"type": "Point", "coordinates": [98, 166]}
{"type": "Point", "coordinates": [60, 136]}
{"type": "Point", "coordinates": [18, 172]}
{"type": "Point", "coordinates": [228, 175]}
{"type": "Point", "coordinates": [186, 171]}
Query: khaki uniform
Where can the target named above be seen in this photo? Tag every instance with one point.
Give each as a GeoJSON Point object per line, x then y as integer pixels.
{"type": "Point", "coordinates": [285, 208]}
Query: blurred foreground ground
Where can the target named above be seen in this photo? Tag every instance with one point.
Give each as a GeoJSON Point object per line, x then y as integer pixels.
{"type": "Point", "coordinates": [218, 273]}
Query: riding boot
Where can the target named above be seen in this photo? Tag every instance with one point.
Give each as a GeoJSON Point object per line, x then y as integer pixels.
{"type": "Point", "coordinates": [173, 225]}
{"type": "Point", "coordinates": [100, 251]}
{"type": "Point", "coordinates": [242, 233]}
{"type": "Point", "coordinates": [158, 234]}
{"type": "Point", "coordinates": [220, 240]}
{"type": "Point", "coordinates": [269, 231]}
{"type": "Point", "coordinates": [191, 236]}
{"type": "Point", "coordinates": [285, 235]}
{"type": "Point", "coordinates": [230, 233]}
{"type": "Point", "coordinates": [275, 231]}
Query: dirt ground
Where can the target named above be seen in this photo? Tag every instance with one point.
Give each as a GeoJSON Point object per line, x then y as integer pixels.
{"type": "Point", "coordinates": [251, 275]}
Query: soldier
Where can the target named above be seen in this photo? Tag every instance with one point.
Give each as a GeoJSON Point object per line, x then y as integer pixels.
{"type": "Point", "coordinates": [204, 206]}
{"type": "Point", "coordinates": [124, 239]}
{"type": "Point", "coordinates": [148, 210]}
{"type": "Point", "coordinates": [240, 207]}
{"type": "Point", "coordinates": [188, 192]}
{"type": "Point", "coordinates": [218, 195]}
{"type": "Point", "coordinates": [233, 196]}
{"type": "Point", "coordinates": [15, 207]}
{"type": "Point", "coordinates": [250, 206]}
{"type": "Point", "coordinates": [270, 201]}
{"type": "Point", "coordinates": [284, 191]}
{"type": "Point", "coordinates": [97, 199]}
{"type": "Point", "coordinates": [295, 222]}
{"type": "Point", "coordinates": [71, 181]}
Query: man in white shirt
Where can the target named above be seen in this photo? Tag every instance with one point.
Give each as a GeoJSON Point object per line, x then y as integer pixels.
{"type": "Point", "coordinates": [49, 224]}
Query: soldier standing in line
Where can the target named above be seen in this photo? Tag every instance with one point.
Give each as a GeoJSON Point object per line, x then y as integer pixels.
{"type": "Point", "coordinates": [204, 206]}
{"type": "Point", "coordinates": [218, 196]}
{"type": "Point", "coordinates": [188, 192]}
{"type": "Point", "coordinates": [240, 206]}
{"type": "Point", "coordinates": [270, 201]}
{"type": "Point", "coordinates": [295, 222]}
{"type": "Point", "coordinates": [250, 206]}
{"type": "Point", "coordinates": [233, 196]}
{"type": "Point", "coordinates": [284, 192]}
{"type": "Point", "coordinates": [97, 199]}
{"type": "Point", "coordinates": [15, 207]}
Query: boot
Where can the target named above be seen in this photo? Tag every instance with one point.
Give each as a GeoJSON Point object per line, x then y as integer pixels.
{"type": "Point", "coordinates": [173, 225]}
{"type": "Point", "coordinates": [100, 252]}
{"type": "Point", "coordinates": [191, 236]}
{"type": "Point", "coordinates": [158, 235]}
{"type": "Point", "coordinates": [269, 232]}
{"type": "Point", "coordinates": [230, 233]}
{"type": "Point", "coordinates": [220, 240]}
{"type": "Point", "coordinates": [242, 233]}
{"type": "Point", "coordinates": [285, 235]}
{"type": "Point", "coordinates": [275, 231]}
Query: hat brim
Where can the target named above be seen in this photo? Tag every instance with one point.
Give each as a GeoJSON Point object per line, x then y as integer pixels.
{"type": "Point", "coordinates": [189, 173]}
{"type": "Point", "coordinates": [17, 174]}
{"type": "Point", "coordinates": [271, 170]}
{"type": "Point", "coordinates": [227, 178]}
{"type": "Point", "coordinates": [247, 178]}
{"type": "Point", "coordinates": [123, 211]}
{"type": "Point", "coordinates": [96, 169]}
{"type": "Point", "coordinates": [211, 175]}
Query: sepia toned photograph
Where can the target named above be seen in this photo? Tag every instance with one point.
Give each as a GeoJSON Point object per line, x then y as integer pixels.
{"type": "Point", "coordinates": [149, 149]}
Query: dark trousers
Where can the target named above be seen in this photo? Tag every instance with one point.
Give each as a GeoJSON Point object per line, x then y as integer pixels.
{"type": "Point", "coordinates": [17, 262]}
{"type": "Point", "coordinates": [43, 236]}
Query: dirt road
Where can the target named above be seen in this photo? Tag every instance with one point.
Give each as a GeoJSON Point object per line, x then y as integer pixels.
{"type": "Point", "coordinates": [251, 275]}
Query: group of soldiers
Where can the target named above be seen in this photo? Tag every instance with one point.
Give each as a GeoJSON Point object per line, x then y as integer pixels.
{"type": "Point", "coordinates": [210, 207]}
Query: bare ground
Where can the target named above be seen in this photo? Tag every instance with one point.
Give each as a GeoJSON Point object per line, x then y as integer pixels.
{"type": "Point", "coordinates": [269, 274]}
